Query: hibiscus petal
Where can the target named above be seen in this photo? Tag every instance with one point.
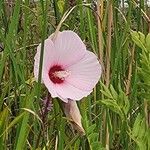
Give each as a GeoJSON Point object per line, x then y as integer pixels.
{"type": "Point", "coordinates": [85, 74]}
{"type": "Point", "coordinates": [48, 58]}
{"type": "Point", "coordinates": [67, 91]}
{"type": "Point", "coordinates": [69, 48]}
{"type": "Point", "coordinates": [50, 86]}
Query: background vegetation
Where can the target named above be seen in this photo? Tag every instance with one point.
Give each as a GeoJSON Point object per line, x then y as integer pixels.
{"type": "Point", "coordinates": [116, 115]}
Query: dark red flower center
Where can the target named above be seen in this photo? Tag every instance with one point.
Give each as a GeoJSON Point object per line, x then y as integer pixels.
{"type": "Point", "coordinates": [54, 74]}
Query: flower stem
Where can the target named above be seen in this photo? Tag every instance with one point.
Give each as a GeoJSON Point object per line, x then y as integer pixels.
{"type": "Point", "coordinates": [108, 52]}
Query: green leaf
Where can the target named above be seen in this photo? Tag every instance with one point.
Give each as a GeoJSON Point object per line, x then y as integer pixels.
{"type": "Point", "coordinates": [139, 132]}
{"type": "Point", "coordinates": [15, 121]}
{"type": "Point", "coordinates": [136, 126]}
{"type": "Point", "coordinates": [93, 137]}
{"type": "Point", "coordinates": [113, 92]}
{"type": "Point", "coordinates": [91, 129]}
{"type": "Point", "coordinates": [142, 37]}
{"type": "Point", "coordinates": [148, 42]}
{"type": "Point", "coordinates": [3, 123]}
{"type": "Point", "coordinates": [96, 146]}
{"type": "Point", "coordinates": [112, 105]}
{"type": "Point", "coordinates": [61, 4]}
{"type": "Point", "coordinates": [106, 91]}
{"type": "Point", "coordinates": [136, 37]}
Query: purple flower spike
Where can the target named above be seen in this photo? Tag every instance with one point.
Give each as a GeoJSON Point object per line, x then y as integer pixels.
{"type": "Point", "coordinates": [46, 105]}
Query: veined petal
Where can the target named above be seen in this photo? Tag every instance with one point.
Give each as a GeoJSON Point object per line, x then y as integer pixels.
{"type": "Point", "coordinates": [69, 48]}
{"type": "Point", "coordinates": [85, 73]}
{"type": "Point", "coordinates": [67, 91]}
{"type": "Point", "coordinates": [50, 86]}
{"type": "Point", "coordinates": [48, 58]}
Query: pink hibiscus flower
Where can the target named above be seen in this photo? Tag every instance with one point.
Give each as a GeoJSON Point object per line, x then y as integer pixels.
{"type": "Point", "coordinates": [69, 70]}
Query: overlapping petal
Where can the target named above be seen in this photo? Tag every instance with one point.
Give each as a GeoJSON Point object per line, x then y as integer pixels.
{"type": "Point", "coordinates": [49, 84]}
{"type": "Point", "coordinates": [66, 90]}
{"type": "Point", "coordinates": [69, 48]}
{"type": "Point", "coordinates": [85, 73]}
